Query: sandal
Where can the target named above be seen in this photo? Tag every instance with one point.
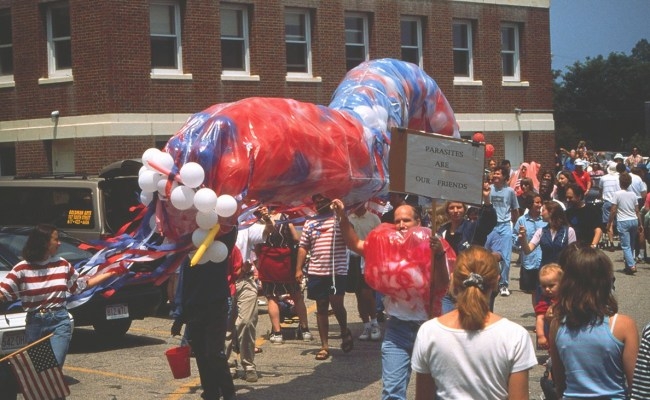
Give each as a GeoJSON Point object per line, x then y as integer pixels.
{"type": "Point", "coordinates": [322, 355]}
{"type": "Point", "coordinates": [348, 342]}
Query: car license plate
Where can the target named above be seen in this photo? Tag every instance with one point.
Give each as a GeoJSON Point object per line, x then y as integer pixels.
{"type": "Point", "coordinates": [117, 311]}
{"type": "Point", "coordinates": [13, 341]}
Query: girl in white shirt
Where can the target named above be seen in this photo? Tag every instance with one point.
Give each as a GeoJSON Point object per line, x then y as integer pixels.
{"type": "Point", "coordinates": [471, 352]}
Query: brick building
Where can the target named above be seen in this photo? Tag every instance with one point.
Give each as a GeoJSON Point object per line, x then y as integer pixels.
{"type": "Point", "coordinates": [84, 83]}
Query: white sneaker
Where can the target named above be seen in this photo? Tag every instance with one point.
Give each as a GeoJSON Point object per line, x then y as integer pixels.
{"type": "Point", "coordinates": [375, 332]}
{"type": "Point", "coordinates": [261, 302]}
{"type": "Point", "coordinates": [504, 291]}
{"type": "Point", "coordinates": [307, 336]}
{"type": "Point", "coordinates": [276, 338]}
{"type": "Point", "coordinates": [366, 334]}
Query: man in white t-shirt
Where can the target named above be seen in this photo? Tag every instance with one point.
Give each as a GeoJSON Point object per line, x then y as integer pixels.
{"type": "Point", "coordinates": [242, 324]}
{"type": "Point", "coordinates": [363, 222]}
{"type": "Point", "coordinates": [608, 186]}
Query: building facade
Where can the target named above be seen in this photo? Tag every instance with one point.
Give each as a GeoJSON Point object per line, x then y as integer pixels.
{"type": "Point", "coordinates": [83, 83]}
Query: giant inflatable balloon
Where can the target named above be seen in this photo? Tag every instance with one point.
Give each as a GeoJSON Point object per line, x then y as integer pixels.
{"type": "Point", "coordinates": [280, 152]}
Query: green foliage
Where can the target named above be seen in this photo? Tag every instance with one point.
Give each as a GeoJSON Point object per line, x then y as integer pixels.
{"type": "Point", "coordinates": [601, 100]}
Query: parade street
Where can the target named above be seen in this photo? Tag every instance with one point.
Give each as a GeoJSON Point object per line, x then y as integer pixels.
{"type": "Point", "coordinates": [136, 367]}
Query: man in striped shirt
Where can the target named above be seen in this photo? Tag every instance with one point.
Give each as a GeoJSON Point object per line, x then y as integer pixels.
{"type": "Point", "coordinates": [641, 379]}
{"type": "Point", "coordinates": [327, 272]}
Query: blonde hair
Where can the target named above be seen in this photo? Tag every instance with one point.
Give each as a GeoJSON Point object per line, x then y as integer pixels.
{"type": "Point", "coordinates": [551, 268]}
{"type": "Point", "coordinates": [475, 276]}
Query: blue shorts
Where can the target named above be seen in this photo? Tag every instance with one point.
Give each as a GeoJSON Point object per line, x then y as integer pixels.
{"type": "Point", "coordinates": [320, 286]}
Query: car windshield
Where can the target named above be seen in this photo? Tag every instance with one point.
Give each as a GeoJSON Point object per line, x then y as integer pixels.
{"type": "Point", "coordinates": [15, 241]}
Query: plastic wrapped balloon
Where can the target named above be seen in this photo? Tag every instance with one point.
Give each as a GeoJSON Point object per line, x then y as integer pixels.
{"type": "Point", "coordinates": [398, 264]}
{"type": "Point", "coordinates": [397, 261]}
{"type": "Point", "coordinates": [279, 152]}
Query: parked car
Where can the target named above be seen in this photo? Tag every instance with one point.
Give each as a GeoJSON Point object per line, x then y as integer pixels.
{"type": "Point", "coordinates": [86, 207]}
{"type": "Point", "coordinates": [110, 316]}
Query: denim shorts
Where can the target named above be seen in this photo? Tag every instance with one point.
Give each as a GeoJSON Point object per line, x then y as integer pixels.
{"type": "Point", "coordinates": [320, 286]}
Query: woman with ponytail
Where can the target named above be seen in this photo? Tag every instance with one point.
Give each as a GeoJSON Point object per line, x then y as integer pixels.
{"type": "Point", "coordinates": [471, 352]}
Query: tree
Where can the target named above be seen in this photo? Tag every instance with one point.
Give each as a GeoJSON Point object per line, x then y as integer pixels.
{"type": "Point", "coordinates": [602, 100]}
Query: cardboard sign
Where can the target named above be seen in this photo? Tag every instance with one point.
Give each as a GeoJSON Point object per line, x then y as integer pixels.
{"type": "Point", "coordinates": [436, 166]}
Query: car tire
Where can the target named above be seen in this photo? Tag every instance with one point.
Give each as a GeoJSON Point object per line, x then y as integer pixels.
{"type": "Point", "coordinates": [112, 329]}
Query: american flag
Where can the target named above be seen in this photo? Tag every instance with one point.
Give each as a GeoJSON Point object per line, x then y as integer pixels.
{"type": "Point", "coordinates": [38, 372]}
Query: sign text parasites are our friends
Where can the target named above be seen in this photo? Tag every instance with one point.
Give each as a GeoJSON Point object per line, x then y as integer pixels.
{"type": "Point", "coordinates": [442, 164]}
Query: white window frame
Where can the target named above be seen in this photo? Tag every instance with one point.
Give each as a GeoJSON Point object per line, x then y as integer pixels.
{"type": "Point", "coordinates": [7, 78]}
{"type": "Point", "coordinates": [52, 71]}
{"type": "Point", "coordinates": [246, 71]}
{"type": "Point", "coordinates": [467, 24]}
{"type": "Point", "coordinates": [418, 46]}
{"type": "Point", "coordinates": [514, 53]}
{"type": "Point", "coordinates": [177, 35]}
{"type": "Point", "coordinates": [306, 16]}
{"type": "Point", "coordinates": [365, 44]}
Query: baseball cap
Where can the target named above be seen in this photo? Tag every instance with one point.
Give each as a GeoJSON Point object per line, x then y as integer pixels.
{"type": "Point", "coordinates": [619, 155]}
{"type": "Point", "coordinates": [581, 163]}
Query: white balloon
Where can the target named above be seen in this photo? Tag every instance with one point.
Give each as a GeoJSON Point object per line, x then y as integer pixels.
{"type": "Point", "coordinates": [162, 185]}
{"type": "Point", "coordinates": [148, 181]}
{"type": "Point", "coordinates": [164, 160]}
{"type": "Point", "coordinates": [217, 252]}
{"type": "Point", "coordinates": [206, 220]}
{"type": "Point", "coordinates": [226, 205]}
{"type": "Point", "coordinates": [198, 236]}
{"type": "Point", "coordinates": [204, 258]}
{"type": "Point", "coordinates": [146, 197]}
{"type": "Point", "coordinates": [182, 197]}
{"type": "Point", "coordinates": [192, 174]}
{"type": "Point", "coordinates": [205, 199]}
{"type": "Point", "coordinates": [149, 154]}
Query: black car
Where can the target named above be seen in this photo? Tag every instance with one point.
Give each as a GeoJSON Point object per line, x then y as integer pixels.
{"type": "Point", "coordinates": [110, 313]}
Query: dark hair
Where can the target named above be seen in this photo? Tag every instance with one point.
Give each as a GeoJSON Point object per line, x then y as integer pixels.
{"type": "Point", "coordinates": [625, 180]}
{"type": "Point", "coordinates": [577, 190]}
{"type": "Point", "coordinates": [566, 174]}
{"type": "Point", "coordinates": [545, 189]}
{"type": "Point", "coordinates": [550, 173]}
{"type": "Point", "coordinates": [620, 167]}
{"type": "Point", "coordinates": [557, 217]}
{"type": "Point", "coordinates": [504, 171]}
{"type": "Point", "coordinates": [38, 242]}
{"type": "Point", "coordinates": [585, 293]}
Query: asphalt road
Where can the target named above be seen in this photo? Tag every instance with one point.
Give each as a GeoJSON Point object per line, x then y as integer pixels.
{"type": "Point", "coordinates": [136, 368]}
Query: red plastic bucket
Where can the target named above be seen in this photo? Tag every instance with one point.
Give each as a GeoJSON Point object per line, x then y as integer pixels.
{"type": "Point", "coordinates": [179, 361]}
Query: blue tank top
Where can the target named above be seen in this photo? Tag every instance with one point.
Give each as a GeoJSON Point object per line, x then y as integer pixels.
{"type": "Point", "coordinates": [593, 361]}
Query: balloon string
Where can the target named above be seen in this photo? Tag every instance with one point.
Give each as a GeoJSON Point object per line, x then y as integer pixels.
{"type": "Point", "coordinates": [335, 226]}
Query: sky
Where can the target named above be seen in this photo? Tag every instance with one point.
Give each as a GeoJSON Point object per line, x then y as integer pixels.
{"type": "Point", "coordinates": [588, 28]}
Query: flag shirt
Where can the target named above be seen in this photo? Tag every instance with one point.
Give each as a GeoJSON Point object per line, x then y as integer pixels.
{"type": "Point", "coordinates": [42, 285]}
{"type": "Point", "coordinates": [324, 242]}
